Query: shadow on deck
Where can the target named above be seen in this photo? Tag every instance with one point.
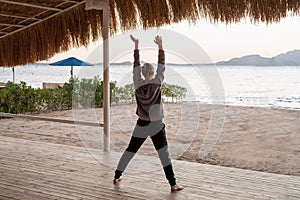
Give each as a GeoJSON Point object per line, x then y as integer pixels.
{"type": "Point", "coordinates": [39, 170]}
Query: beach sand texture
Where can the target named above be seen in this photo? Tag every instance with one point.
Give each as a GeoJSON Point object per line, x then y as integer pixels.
{"type": "Point", "coordinates": [262, 139]}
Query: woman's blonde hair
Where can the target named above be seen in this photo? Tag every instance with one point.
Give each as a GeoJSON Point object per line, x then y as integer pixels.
{"type": "Point", "coordinates": [148, 70]}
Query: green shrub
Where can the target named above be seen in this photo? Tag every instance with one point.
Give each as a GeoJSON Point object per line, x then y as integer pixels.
{"type": "Point", "coordinates": [20, 98]}
{"type": "Point", "coordinates": [127, 92]}
{"type": "Point", "coordinates": [175, 92]}
{"type": "Point", "coordinates": [83, 93]}
{"type": "Point", "coordinates": [88, 93]}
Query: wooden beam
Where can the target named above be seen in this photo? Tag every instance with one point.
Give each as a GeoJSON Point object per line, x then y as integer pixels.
{"type": "Point", "coordinates": [38, 118]}
{"type": "Point", "coordinates": [30, 5]}
{"type": "Point", "coordinates": [69, 1]}
{"type": "Point", "coordinates": [15, 25]}
{"type": "Point", "coordinates": [46, 18]}
{"type": "Point", "coordinates": [19, 17]}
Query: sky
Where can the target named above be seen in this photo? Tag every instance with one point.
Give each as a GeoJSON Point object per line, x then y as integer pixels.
{"type": "Point", "coordinates": [220, 42]}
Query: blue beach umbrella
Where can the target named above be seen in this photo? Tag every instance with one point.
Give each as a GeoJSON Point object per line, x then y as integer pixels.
{"type": "Point", "coordinates": [72, 61]}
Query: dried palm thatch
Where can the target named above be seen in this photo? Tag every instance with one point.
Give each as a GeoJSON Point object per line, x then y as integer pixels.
{"type": "Point", "coordinates": [257, 10]}
{"type": "Point", "coordinates": [73, 28]}
{"type": "Point", "coordinates": [30, 33]}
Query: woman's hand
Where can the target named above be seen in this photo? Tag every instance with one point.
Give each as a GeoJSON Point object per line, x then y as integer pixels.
{"type": "Point", "coordinates": [136, 41]}
{"type": "Point", "coordinates": [158, 41]}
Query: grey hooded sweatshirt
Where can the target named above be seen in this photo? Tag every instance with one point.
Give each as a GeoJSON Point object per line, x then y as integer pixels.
{"type": "Point", "coordinates": [148, 96]}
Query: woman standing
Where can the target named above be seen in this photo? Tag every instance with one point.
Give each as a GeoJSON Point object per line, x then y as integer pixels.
{"type": "Point", "coordinates": [150, 112]}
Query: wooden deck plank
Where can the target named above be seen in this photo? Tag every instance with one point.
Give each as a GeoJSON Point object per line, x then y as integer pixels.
{"type": "Point", "coordinates": [62, 187]}
{"type": "Point", "coordinates": [39, 170]}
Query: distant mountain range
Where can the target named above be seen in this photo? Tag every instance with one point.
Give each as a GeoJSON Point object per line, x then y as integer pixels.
{"type": "Point", "coordinates": [291, 58]}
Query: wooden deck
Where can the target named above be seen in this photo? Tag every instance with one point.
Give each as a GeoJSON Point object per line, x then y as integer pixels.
{"type": "Point", "coordinates": [40, 170]}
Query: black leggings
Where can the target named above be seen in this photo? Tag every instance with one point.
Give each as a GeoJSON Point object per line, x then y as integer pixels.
{"type": "Point", "coordinates": [156, 131]}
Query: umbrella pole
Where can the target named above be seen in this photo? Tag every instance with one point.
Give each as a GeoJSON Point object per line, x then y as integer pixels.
{"type": "Point", "coordinates": [71, 71]}
{"type": "Point", "coordinates": [13, 69]}
{"type": "Point", "coordinates": [106, 89]}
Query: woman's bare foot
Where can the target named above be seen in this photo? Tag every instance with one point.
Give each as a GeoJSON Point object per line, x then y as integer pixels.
{"type": "Point", "coordinates": [176, 188]}
{"type": "Point", "coordinates": [117, 180]}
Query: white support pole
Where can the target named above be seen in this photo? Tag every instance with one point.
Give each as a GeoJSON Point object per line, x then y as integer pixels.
{"type": "Point", "coordinates": [106, 86]}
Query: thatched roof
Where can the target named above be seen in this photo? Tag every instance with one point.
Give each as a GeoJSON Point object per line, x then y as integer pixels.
{"type": "Point", "coordinates": [34, 30]}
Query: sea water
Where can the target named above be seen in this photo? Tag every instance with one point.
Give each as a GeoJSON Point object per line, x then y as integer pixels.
{"type": "Point", "coordinates": [231, 85]}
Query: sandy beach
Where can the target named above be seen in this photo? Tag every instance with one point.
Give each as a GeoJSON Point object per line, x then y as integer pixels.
{"type": "Point", "coordinates": [262, 139]}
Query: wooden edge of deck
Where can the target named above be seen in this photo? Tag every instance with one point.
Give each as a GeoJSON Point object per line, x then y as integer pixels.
{"type": "Point", "coordinates": [49, 119]}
